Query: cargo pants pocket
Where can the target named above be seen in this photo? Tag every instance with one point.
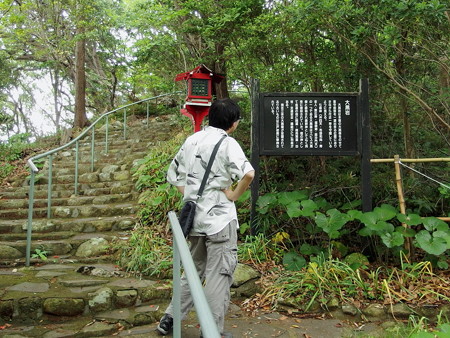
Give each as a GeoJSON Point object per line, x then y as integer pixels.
{"type": "Point", "coordinates": [229, 262]}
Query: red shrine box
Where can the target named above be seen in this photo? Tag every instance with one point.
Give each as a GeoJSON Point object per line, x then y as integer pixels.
{"type": "Point", "coordinates": [199, 93]}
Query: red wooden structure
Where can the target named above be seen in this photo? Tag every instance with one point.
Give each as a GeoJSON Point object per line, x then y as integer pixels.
{"type": "Point", "coordinates": [199, 93]}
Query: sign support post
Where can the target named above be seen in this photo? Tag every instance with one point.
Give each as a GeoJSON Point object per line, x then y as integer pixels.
{"type": "Point", "coordinates": [255, 152]}
{"type": "Point", "coordinates": [366, 179]}
{"type": "Point", "coordinates": [311, 124]}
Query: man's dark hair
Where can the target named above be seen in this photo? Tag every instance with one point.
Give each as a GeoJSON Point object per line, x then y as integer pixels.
{"type": "Point", "coordinates": [223, 113]}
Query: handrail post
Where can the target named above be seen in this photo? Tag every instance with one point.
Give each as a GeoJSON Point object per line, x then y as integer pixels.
{"type": "Point", "coordinates": [92, 149]}
{"type": "Point", "coordinates": [76, 168]}
{"type": "Point", "coordinates": [30, 218]}
{"type": "Point", "coordinates": [106, 134]}
{"type": "Point", "coordinates": [176, 291]}
{"type": "Point", "coordinates": [148, 112]}
{"type": "Point", "coordinates": [206, 319]}
{"type": "Point", "coordinates": [124, 123]}
{"type": "Point", "coordinates": [49, 186]}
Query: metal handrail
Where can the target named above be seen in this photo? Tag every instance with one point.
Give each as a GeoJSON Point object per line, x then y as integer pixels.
{"type": "Point", "coordinates": [34, 170]}
{"type": "Point", "coordinates": [181, 252]}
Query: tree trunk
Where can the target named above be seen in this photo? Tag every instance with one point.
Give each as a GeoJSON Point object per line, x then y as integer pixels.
{"type": "Point", "coordinates": [80, 120]}
{"type": "Point", "coordinates": [56, 94]}
{"type": "Point", "coordinates": [220, 67]}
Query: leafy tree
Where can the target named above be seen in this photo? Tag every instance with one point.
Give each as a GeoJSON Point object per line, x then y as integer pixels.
{"type": "Point", "coordinates": [43, 35]}
{"type": "Point", "coordinates": [179, 35]}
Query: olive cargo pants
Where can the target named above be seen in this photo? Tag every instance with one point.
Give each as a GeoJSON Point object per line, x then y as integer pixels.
{"type": "Point", "coordinates": [215, 257]}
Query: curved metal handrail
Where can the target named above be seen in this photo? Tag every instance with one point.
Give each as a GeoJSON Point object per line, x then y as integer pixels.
{"type": "Point", "coordinates": [53, 151]}
{"type": "Point", "coordinates": [34, 170]}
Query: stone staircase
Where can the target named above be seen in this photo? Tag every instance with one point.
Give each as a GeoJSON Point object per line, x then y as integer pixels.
{"type": "Point", "coordinates": [73, 270]}
{"type": "Point", "coordinates": [81, 226]}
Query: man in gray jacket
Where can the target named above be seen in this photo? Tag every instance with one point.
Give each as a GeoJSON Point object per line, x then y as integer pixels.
{"type": "Point", "coordinates": [213, 239]}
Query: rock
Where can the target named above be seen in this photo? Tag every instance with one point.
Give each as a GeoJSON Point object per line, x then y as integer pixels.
{"type": "Point", "coordinates": [93, 247]}
{"type": "Point", "coordinates": [98, 329]}
{"type": "Point", "coordinates": [332, 304]}
{"type": "Point", "coordinates": [98, 272]}
{"type": "Point", "coordinates": [349, 309]}
{"type": "Point", "coordinates": [243, 274]}
{"type": "Point", "coordinates": [76, 200]}
{"type": "Point", "coordinates": [374, 311]}
{"type": "Point", "coordinates": [64, 306]}
{"type": "Point", "coordinates": [62, 212]}
{"type": "Point", "coordinates": [98, 225]}
{"type": "Point", "coordinates": [126, 298]}
{"type": "Point", "coordinates": [125, 225]}
{"type": "Point", "coordinates": [8, 252]}
{"type": "Point", "coordinates": [428, 311]}
{"type": "Point", "coordinates": [30, 308]}
{"type": "Point", "coordinates": [88, 178]}
{"type": "Point", "coordinates": [156, 293]}
{"type": "Point", "coordinates": [445, 309]}
{"type": "Point", "coordinates": [120, 189]}
{"type": "Point", "coordinates": [248, 289]}
{"type": "Point", "coordinates": [101, 300]}
{"type": "Point", "coordinates": [54, 247]}
{"type": "Point", "coordinates": [87, 211]}
{"type": "Point", "coordinates": [143, 319]}
{"type": "Point", "coordinates": [40, 226]}
{"type": "Point", "coordinates": [104, 177]}
{"type": "Point", "coordinates": [110, 168]}
{"type": "Point", "coordinates": [6, 309]}
{"type": "Point", "coordinates": [400, 310]}
{"type": "Point", "coordinates": [121, 175]}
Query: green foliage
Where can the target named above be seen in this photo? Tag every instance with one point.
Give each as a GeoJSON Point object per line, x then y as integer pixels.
{"type": "Point", "coordinates": [317, 218]}
{"type": "Point", "coordinates": [256, 249]}
{"type": "Point", "coordinates": [12, 151]}
{"type": "Point", "coordinates": [40, 253]}
{"type": "Point", "coordinates": [147, 252]}
{"type": "Point", "coordinates": [157, 196]}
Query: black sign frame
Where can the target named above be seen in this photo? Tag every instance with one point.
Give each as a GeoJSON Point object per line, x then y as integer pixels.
{"type": "Point", "coordinates": [300, 123]}
{"type": "Point", "coordinates": [362, 149]}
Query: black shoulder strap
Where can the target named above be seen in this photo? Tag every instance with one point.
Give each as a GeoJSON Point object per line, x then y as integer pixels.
{"type": "Point", "coordinates": [208, 168]}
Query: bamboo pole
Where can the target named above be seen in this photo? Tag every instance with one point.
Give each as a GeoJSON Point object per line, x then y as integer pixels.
{"type": "Point", "coordinates": [401, 200]}
{"type": "Point", "coordinates": [411, 160]}
{"type": "Point", "coordinates": [414, 160]}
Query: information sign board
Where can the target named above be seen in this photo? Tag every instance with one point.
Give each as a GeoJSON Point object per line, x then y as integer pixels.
{"type": "Point", "coordinates": [309, 124]}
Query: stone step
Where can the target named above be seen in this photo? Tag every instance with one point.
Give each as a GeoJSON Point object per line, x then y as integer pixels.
{"type": "Point", "coordinates": [105, 210]}
{"type": "Point", "coordinates": [74, 290]}
{"type": "Point", "coordinates": [44, 228]}
{"type": "Point", "coordinates": [124, 156]}
{"type": "Point", "coordinates": [69, 246]}
{"type": "Point", "coordinates": [58, 189]}
{"type": "Point", "coordinates": [71, 201]}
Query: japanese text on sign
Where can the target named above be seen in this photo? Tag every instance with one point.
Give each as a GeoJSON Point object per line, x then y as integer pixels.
{"type": "Point", "coordinates": [309, 124]}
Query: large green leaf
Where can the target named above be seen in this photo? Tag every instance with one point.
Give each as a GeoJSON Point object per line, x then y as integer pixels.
{"type": "Point", "coordinates": [265, 201]}
{"type": "Point", "coordinates": [392, 239]}
{"type": "Point", "coordinates": [288, 197]}
{"type": "Point", "coordinates": [293, 210]}
{"type": "Point", "coordinates": [432, 245]}
{"type": "Point", "coordinates": [433, 223]}
{"type": "Point", "coordinates": [406, 232]}
{"type": "Point", "coordinates": [293, 262]}
{"type": "Point", "coordinates": [410, 219]}
{"type": "Point", "coordinates": [332, 223]}
{"type": "Point", "coordinates": [385, 212]}
{"type": "Point", "coordinates": [309, 207]}
{"type": "Point", "coordinates": [354, 214]}
{"type": "Point", "coordinates": [369, 218]}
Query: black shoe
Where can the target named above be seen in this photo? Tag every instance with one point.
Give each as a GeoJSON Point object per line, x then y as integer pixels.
{"type": "Point", "coordinates": [165, 324]}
